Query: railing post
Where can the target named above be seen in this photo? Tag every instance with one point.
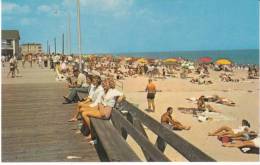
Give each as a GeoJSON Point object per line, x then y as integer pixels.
{"type": "Point", "coordinates": [137, 124]}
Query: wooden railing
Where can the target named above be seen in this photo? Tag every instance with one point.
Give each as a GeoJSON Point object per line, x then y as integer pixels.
{"type": "Point", "coordinates": [131, 123]}
{"type": "Point", "coordinates": [120, 85]}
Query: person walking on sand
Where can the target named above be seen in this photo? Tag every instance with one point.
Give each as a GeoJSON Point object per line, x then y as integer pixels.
{"type": "Point", "coordinates": [151, 91]}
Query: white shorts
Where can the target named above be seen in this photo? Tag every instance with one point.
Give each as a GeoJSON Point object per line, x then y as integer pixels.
{"type": "Point", "coordinates": [256, 141]}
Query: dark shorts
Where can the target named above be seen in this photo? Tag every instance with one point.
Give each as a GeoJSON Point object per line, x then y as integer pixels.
{"type": "Point", "coordinates": [150, 96]}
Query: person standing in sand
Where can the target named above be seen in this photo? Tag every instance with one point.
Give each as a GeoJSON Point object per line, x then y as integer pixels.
{"type": "Point", "coordinates": [169, 122]}
{"type": "Point", "coordinates": [151, 89]}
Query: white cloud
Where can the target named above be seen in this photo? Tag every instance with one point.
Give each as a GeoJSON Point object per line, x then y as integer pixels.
{"type": "Point", "coordinates": [44, 8]}
{"type": "Point", "coordinates": [114, 6]}
{"type": "Point", "coordinates": [10, 8]}
{"type": "Point", "coordinates": [26, 21]}
{"type": "Point", "coordinates": [53, 10]}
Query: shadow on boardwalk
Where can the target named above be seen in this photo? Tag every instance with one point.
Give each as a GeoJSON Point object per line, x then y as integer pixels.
{"type": "Point", "coordinates": [34, 122]}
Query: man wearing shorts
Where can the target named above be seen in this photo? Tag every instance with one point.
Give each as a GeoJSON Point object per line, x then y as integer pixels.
{"type": "Point", "coordinates": [151, 89]}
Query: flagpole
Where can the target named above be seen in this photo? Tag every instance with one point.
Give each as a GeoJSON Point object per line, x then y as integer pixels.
{"type": "Point", "coordinates": [79, 35]}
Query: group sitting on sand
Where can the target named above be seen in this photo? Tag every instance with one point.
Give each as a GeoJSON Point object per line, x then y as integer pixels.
{"type": "Point", "coordinates": [227, 78]}
{"type": "Point", "coordinates": [239, 137]}
{"type": "Point", "coordinates": [253, 73]}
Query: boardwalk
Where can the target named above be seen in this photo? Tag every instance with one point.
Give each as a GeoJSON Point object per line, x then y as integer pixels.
{"type": "Point", "coordinates": [34, 122]}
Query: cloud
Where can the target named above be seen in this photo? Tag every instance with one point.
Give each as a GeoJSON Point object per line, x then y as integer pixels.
{"type": "Point", "coordinates": [10, 8]}
{"type": "Point", "coordinates": [26, 21]}
{"type": "Point", "coordinates": [53, 10]}
{"type": "Point", "coordinates": [112, 6]}
{"type": "Point", "coordinates": [44, 8]}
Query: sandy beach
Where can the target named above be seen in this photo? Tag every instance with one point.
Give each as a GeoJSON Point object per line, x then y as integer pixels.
{"type": "Point", "coordinates": [174, 92]}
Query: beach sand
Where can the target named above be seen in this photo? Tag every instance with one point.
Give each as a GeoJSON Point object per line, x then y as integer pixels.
{"type": "Point", "coordinates": [174, 93]}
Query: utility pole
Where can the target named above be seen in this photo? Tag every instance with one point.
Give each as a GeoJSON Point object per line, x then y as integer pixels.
{"type": "Point", "coordinates": [62, 43]}
{"type": "Point", "coordinates": [55, 46]}
{"type": "Point", "coordinates": [69, 36]}
{"type": "Point", "coordinates": [47, 47]}
{"type": "Point", "coordinates": [79, 35]}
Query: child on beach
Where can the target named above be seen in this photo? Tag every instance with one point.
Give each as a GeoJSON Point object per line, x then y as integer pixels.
{"type": "Point", "coordinates": [169, 122]}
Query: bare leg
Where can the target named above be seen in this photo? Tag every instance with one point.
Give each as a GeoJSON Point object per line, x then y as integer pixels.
{"type": "Point", "coordinates": [153, 105]}
{"type": "Point", "coordinates": [79, 108]}
{"type": "Point", "coordinates": [211, 109]}
{"type": "Point", "coordinates": [239, 144]}
{"type": "Point", "coordinates": [87, 114]}
{"type": "Point", "coordinates": [149, 104]}
{"type": "Point", "coordinates": [221, 129]}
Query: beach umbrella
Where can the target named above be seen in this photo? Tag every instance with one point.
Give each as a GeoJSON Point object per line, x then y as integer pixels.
{"type": "Point", "coordinates": [142, 61]}
{"type": "Point", "coordinates": [170, 60]}
{"type": "Point", "coordinates": [223, 62]}
{"type": "Point", "coordinates": [205, 60]}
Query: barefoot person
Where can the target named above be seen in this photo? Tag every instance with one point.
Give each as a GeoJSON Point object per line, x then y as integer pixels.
{"type": "Point", "coordinates": [225, 130]}
{"type": "Point", "coordinates": [93, 99]}
{"type": "Point", "coordinates": [254, 143]}
{"type": "Point", "coordinates": [151, 91]}
{"type": "Point", "coordinates": [104, 109]}
{"type": "Point", "coordinates": [169, 122]}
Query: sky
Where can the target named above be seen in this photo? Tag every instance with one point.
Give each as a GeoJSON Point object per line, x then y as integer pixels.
{"type": "Point", "coordinates": [114, 26]}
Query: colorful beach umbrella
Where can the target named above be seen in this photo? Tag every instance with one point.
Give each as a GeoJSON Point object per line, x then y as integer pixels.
{"type": "Point", "coordinates": [205, 60]}
{"type": "Point", "coordinates": [142, 61]}
{"type": "Point", "coordinates": [169, 60]}
{"type": "Point", "coordinates": [223, 62]}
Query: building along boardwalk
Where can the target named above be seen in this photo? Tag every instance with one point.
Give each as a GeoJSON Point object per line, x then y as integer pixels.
{"type": "Point", "coordinates": [34, 121]}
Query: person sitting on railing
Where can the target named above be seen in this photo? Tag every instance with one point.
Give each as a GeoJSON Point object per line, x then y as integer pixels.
{"type": "Point", "coordinates": [75, 88]}
{"type": "Point", "coordinates": [104, 109]}
{"type": "Point", "coordinates": [169, 122]}
{"type": "Point", "coordinates": [92, 100]}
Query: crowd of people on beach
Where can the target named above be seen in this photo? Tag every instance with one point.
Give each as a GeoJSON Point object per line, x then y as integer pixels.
{"type": "Point", "coordinates": [97, 82]}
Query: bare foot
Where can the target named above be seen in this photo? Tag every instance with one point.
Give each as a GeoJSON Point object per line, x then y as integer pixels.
{"type": "Point", "coordinates": [188, 128]}
{"type": "Point", "coordinates": [72, 120]}
{"type": "Point", "coordinates": [88, 138]}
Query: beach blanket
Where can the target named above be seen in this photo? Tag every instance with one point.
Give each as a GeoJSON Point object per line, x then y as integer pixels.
{"type": "Point", "coordinates": [216, 116]}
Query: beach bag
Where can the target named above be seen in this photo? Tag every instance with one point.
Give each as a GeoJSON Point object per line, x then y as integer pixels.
{"type": "Point", "coordinates": [84, 130]}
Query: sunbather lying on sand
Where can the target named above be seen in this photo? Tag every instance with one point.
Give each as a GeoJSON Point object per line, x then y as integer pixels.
{"type": "Point", "coordinates": [204, 107]}
{"type": "Point", "coordinates": [241, 143]}
{"type": "Point", "coordinates": [242, 136]}
{"type": "Point", "coordinates": [169, 122]}
{"type": "Point", "coordinates": [225, 130]}
{"type": "Point", "coordinates": [216, 99]}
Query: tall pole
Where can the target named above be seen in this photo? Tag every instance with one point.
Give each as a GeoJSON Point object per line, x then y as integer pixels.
{"type": "Point", "coordinates": [55, 46]}
{"type": "Point", "coordinates": [62, 43]}
{"type": "Point", "coordinates": [69, 36]}
{"type": "Point", "coordinates": [47, 47]}
{"type": "Point", "coordinates": [79, 35]}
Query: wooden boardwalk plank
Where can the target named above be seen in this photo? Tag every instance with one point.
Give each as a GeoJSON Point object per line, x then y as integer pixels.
{"type": "Point", "coordinates": [35, 127]}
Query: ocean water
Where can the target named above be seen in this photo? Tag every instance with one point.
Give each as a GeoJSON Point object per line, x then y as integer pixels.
{"type": "Point", "coordinates": [249, 56]}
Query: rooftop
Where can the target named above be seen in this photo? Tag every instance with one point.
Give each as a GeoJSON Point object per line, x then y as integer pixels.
{"type": "Point", "coordinates": [10, 34]}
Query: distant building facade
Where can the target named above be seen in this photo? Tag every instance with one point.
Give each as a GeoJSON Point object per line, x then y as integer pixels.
{"type": "Point", "coordinates": [32, 48]}
{"type": "Point", "coordinates": [10, 43]}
